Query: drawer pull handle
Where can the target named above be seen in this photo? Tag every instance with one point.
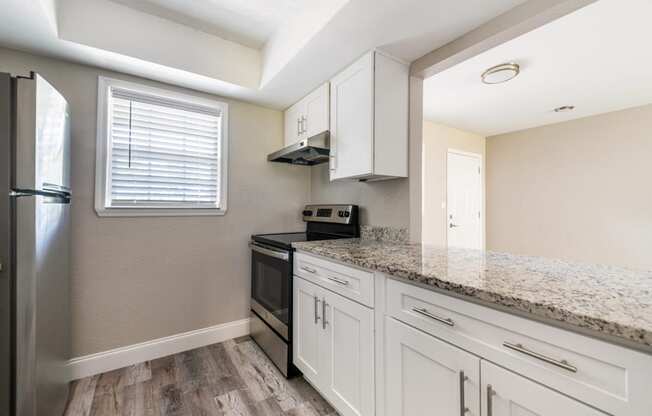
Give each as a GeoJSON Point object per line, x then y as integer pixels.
{"type": "Point", "coordinates": [490, 400]}
{"type": "Point", "coordinates": [338, 281]}
{"type": "Point", "coordinates": [424, 312]}
{"type": "Point", "coordinates": [463, 408]}
{"type": "Point", "coordinates": [308, 269]}
{"type": "Point", "coordinates": [323, 313]}
{"type": "Point", "coordinates": [523, 350]}
{"type": "Point", "coordinates": [316, 307]}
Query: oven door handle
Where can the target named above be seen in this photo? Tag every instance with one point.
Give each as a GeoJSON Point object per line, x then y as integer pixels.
{"type": "Point", "coordinates": [278, 254]}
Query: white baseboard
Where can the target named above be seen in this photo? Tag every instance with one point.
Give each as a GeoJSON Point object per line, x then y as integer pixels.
{"type": "Point", "coordinates": [101, 362]}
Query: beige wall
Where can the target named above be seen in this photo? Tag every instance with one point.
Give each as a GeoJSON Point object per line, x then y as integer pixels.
{"type": "Point", "coordinates": [578, 190]}
{"type": "Point", "coordinates": [384, 203]}
{"type": "Point", "coordinates": [437, 139]}
{"type": "Point", "coordinates": [136, 279]}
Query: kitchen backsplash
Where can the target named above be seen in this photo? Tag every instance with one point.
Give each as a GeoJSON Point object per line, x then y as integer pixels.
{"type": "Point", "coordinates": [372, 232]}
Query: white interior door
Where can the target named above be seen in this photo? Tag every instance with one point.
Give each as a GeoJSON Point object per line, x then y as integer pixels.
{"type": "Point", "coordinates": [464, 200]}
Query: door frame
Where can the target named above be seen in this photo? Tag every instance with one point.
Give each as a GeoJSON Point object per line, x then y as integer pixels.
{"type": "Point", "coordinates": [483, 219]}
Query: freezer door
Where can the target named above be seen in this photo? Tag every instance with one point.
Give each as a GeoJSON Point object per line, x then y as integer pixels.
{"type": "Point", "coordinates": [42, 305]}
{"type": "Point", "coordinates": [42, 137]}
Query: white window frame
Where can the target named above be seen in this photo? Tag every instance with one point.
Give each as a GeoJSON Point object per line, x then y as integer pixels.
{"type": "Point", "coordinates": [102, 165]}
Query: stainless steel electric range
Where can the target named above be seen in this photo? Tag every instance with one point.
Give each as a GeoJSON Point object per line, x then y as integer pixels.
{"type": "Point", "coordinates": [271, 277]}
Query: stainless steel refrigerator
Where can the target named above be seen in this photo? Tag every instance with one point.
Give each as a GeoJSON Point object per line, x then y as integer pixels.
{"type": "Point", "coordinates": [34, 247]}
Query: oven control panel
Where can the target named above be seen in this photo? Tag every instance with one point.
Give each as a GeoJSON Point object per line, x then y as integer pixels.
{"type": "Point", "coordinates": [342, 214]}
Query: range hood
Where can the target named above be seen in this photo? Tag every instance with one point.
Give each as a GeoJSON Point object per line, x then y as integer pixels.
{"type": "Point", "coordinates": [311, 151]}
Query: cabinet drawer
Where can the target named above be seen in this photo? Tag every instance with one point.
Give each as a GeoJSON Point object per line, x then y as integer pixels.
{"type": "Point", "coordinates": [349, 282]}
{"type": "Point", "coordinates": [607, 376]}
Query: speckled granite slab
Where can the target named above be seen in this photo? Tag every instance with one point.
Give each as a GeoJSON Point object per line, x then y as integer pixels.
{"type": "Point", "coordinates": [608, 301]}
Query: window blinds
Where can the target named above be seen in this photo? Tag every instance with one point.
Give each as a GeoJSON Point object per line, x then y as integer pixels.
{"type": "Point", "coordinates": [164, 153]}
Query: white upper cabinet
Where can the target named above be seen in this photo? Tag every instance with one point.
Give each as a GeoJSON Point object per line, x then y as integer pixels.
{"type": "Point", "coordinates": [369, 119]}
{"type": "Point", "coordinates": [308, 117]}
{"type": "Point", "coordinates": [316, 111]}
{"type": "Point", "coordinates": [292, 125]}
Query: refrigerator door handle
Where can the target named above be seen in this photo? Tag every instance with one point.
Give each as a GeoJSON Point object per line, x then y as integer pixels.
{"type": "Point", "coordinates": [64, 198]}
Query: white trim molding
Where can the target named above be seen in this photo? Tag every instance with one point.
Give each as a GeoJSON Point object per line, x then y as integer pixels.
{"type": "Point", "coordinates": [101, 362]}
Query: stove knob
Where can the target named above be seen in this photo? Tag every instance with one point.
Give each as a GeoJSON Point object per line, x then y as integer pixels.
{"type": "Point", "coordinates": [347, 214]}
{"type": "Point", "coordinates": [340, 214]}
{"type": "Point", "coordinates": [307, 213]}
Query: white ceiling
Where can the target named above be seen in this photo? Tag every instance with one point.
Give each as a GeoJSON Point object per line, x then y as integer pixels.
{"type": "Point", "coordinates": [598, 59]}
{"type": "Point", "coordinates": [248, 22]}
{"type": "Point", "coordinates": [305, 41]}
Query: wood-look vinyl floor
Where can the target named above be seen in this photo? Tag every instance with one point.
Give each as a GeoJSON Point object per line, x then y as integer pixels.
{"type": "Point", "coordinates": [227, 379]}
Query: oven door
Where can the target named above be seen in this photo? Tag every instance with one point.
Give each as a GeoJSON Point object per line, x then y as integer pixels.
{"type": "Point", "coordinates": [271, 271]}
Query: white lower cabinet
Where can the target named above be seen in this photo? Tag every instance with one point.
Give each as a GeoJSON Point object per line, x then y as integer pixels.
{"type": "Point", "coordinates": [417, 352]}
{"type": "Point", "coordinates": [425, 376]}
{"type": "Point", "coordinates": [507, 394]}
{"type": "Point", "coordinates": [348, 341]}
{"type": "Point", "coordinates": [306, 330]}
{"type": "Point", "coordinates": [333, 347]}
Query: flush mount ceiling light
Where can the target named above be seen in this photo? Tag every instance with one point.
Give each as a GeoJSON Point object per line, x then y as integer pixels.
{"type": "Point", "coordinates": [564, 108]}
{"type": "Point", "coordinates": [500, 73]}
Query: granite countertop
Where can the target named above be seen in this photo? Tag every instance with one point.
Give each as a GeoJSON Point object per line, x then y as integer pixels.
{"type": "Point", "coordinates": [610, 302]}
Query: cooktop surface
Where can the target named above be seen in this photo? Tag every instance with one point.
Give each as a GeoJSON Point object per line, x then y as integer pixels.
{"type": "Point", "coordinates": [283, 239]}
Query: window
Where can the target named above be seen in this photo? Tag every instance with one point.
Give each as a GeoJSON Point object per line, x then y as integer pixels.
{"type": "Point", "coordinates": [159, 152]}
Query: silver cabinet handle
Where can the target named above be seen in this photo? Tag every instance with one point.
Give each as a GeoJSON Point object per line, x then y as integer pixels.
{"type": "Point", "coordinates": [490, 404]}
{"type": "Point", "coordinates": [323, 313]}
{"type": "Point", "coordinates": [463, 408]}
{"type": "Point", "coordinates": [304, 124]}
{"type": "Point", "coordinates": [278, 254]}
{"type": "Point", "coordinates": [451, 225]}
{"type": "Point", "coordinates": [424, 312]}
{"type": "Point", "coordinates": [338, 281]}
{"type": "Point", "coordinates": [523, 350]}
{"type": "Point", "coordinates": [316, 307]}
{"type": "Point", "coordinates": [332, 162]}
{"type": "Point", "coordinates": [308, 269]}
{"type": "Point", "coordinates": [298, 126]}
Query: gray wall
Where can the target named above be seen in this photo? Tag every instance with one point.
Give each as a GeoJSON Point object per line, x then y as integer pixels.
{"type": "Point", "coordinates": [136, 279]}
{"type": "Point", "coordinates": [384, 203]}
{"type": "Point", "coordinates": [578, 190]}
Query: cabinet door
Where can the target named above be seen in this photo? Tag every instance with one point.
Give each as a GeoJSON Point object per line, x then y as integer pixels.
{"type": "Point", "coordinates": [316, 108]}
{"type": "Point", "coordinates": [507, 394]}
{"type": "Point", "coordinates": [425, 376]}
{"type": "Point", "coordinates": [352, 120]}
{"type": "Point", "coordinates": [348, 351]}
{"type": "Point", "coordinates": [306, 329]}
{"type": "Point", "coordinates": [292, 125]}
